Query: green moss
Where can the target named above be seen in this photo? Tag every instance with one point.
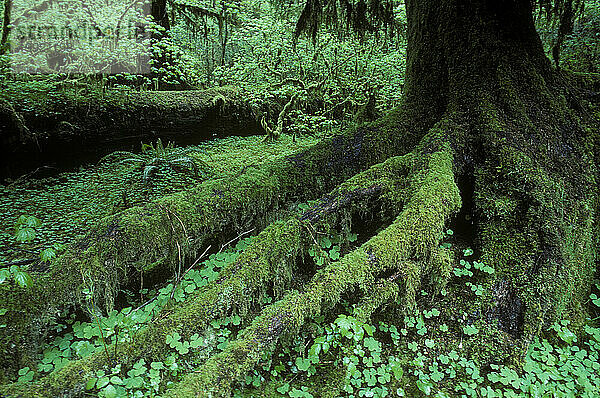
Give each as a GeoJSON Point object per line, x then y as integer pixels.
{"type": "Point", "coordinates": [412, 235]}
{"type": "Point", "coordinates": [535, 199]}
{"type": "Point", "coordinates": [271, 261]}
{"type": "Point", "coordinates": [379, 295]}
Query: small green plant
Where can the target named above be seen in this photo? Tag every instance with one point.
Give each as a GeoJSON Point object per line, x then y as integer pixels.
{"type": "Point", "coordinates": [15, 273]}
{"type": "Point", "coordinates": [154, 158]}
{"type": "Point", "coordinates": [25, 232]}
{"type": "Point", "coordinates": [103, 334]}
{"type": "Point", "coordinates": [49, 253]}
{"type": "Point", "coordinates": [329, 248]}
{"type": "Point", "coordinates": [25, 228]}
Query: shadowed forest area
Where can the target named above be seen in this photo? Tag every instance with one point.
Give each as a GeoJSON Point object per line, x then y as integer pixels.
{"type": "Point", "coordinates": [300, 198]}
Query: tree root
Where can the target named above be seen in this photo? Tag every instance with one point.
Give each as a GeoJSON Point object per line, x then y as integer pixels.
{"type": "Point", "coordinates": [271, 260]}
{"type": "Point", "coordinates": [156, 239]}
{"type": "Point", "coordinates": [411, 236]}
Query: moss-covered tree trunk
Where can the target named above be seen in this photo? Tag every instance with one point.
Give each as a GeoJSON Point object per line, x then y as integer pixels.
{"type": "Point", "coordinates": [4, 45]}
{"type": "Point", "coordinates": [476, 69]}
{"type": "Point", "coordinates": [486, 125]}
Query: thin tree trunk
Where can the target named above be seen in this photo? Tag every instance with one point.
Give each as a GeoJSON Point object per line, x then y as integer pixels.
{"type": "Point", "coordinates": [160, 17]}
{"type": "Point", "coordinates": [159, 13]}
{"type": "Point", "coordinates": [4, 44]}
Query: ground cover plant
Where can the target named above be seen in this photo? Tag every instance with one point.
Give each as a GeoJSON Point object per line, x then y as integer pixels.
{"type": "Point", "coordinates": [436, 236]}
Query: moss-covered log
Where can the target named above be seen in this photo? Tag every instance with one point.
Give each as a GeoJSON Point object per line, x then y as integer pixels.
{"type": "Point", "coordinates": [269, 264]}
{"type": "Point", "coordinates": [92, 125]}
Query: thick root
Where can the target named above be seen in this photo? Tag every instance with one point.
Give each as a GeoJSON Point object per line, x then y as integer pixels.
{"type": "Point", "coordinates": [411, 236]}
{"type": "Point", "coordinates": [268, 264]}
{"type": "Point", "coordinates": [157, 238]}
{"type": "Point", "coordinates": [537, 229]}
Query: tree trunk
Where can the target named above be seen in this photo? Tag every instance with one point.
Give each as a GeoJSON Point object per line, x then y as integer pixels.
{"type": "Point", "coordinates": [456, 48]}
{"type": "Point", "coordinates": [477, 70]}
{"type": "Point", "coordinates": [160, 56]}
{"type": "Point", "coordinates": [159, 13]}
{"type": "Point", "coordinates": [4, 44]}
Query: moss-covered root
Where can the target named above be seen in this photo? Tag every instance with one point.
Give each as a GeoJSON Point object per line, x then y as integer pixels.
{"type": "Point", "coordinates": [413, 235]}
{"type": "Point", "coordinates": [270, 261]}
{"type": "Point", "coordinates": [537, 230]}
{"type": "Point", "coordinates": [157, 238]}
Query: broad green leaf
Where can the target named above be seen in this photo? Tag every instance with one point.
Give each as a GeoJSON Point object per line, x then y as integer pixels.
{"type": "Point", "coordinates": [23, 279]}
{"type": "Point", "coordinates": [326, 243]}
{"type": "Point", "coordinates": [110, 391]}
{"type": "Point", "coordinates": [4, 274]}
{"type": "Point", "coordinates": [25, 235]}
{"type": "Point", "coordinates": [302, 364]}
{"type": "Point", "coordinates": [91, 383]}
{"type": "Point", "coordinates": [102, 382]}
{"type": "Point", "coordinates": [283, 389]}
{"type": "Point", "coordinates": [47, 255]}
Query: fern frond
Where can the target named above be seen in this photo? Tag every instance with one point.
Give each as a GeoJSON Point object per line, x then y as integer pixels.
{"type": "Point", "coordinates": [148, 171]}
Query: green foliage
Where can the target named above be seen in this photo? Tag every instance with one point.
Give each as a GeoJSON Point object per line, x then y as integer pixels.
{"type": "Point", "coordinates": [153, 159]}
{"type": "Point", "coordinates": [581, 50]}
{"type": "Point", "coordinates": [14, 272]}
{"type": "Point", "coordinates": [376, 364]}
{"type": "Point", "coordinates": [25, 228]}
{"type": "Point", "coordinates": [329, 248]}
{"type": "Point", "coordinates": [422, 356]}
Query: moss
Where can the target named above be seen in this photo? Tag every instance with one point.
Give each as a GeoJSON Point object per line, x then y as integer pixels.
{"type": "Point", "coordinates": [270, 260]}
{"type": "Point", "coordinates": [534, 197]}
{"type": "Point", "coordinates": [146, 238]}
{"type": "Point", "coordinates": [379, 295]}
{"type": "Point", "coordinates": [412, 235]}
{"type": "Point", "coordinates": [98, 122]}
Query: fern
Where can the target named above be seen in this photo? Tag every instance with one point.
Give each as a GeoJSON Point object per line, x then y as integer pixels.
{"type": "Point", "coordinates": [154, 157]}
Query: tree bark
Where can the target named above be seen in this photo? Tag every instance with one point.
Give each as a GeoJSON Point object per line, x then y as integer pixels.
{"type": "Point", "coordinates": [4, 45]}
{"type": "Point", "coordinates": [455, 48]}
{"type": "Point", "coordinates": [159, 13]}
{"type": "Point", "coordinates": [476, 70]}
